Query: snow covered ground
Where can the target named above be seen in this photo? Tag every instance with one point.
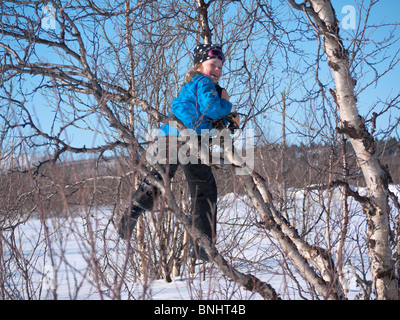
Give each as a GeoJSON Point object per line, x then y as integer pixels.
{"type": "Point", "coordinates": [81, 257]}
{"type": "Point", "coordinates": [59, 255]}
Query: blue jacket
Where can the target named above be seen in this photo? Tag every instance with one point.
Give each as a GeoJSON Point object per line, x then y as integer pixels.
{"type": "Point", "coordinates": [197, 105]}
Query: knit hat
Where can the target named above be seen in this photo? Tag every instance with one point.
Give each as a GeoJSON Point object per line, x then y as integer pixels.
{"type": "Point", "coordinates": [204, 52]}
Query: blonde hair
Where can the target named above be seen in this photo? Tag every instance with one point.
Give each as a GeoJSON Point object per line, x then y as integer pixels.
{"type": "Point", "coordinates": [191, 73]}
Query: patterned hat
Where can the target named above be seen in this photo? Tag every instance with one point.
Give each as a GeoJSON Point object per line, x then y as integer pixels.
{"type": "Point", "coordinates": [204, 52]}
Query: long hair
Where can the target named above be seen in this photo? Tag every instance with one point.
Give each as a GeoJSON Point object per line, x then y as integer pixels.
{"type": "Point", "coordinates": [191, 73]}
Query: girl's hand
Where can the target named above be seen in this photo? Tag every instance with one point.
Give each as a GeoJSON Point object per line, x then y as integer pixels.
{"type": "Point", "coordinates": [225, 95]}
{"type": "Point", "coordinates": [235, 117]}
{"type": "Point", "coordinates": [236, 121]}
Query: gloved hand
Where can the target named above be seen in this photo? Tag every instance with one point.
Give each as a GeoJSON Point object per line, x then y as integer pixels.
{"type": "Point", "coordinates": [233, 121]}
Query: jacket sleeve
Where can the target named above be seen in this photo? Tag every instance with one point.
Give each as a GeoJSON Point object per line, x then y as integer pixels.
{"type": "Point", "coordinates": [210, 104]}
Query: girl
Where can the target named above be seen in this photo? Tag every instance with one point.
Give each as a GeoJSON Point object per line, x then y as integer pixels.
{"type": "Point", "coordinates": [200, 103]}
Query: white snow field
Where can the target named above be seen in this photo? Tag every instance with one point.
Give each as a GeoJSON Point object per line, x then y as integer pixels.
{"type": "Point", "coordinates": [81, 257]}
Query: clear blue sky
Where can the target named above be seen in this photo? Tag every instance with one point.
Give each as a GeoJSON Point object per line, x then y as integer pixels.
{"type": "Point", "coordinates": [386, 11]}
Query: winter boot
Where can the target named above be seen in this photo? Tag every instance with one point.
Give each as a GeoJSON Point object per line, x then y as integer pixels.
{"type": "Point", "coordinates": [127, 223]}
{"type": "Point", "coordinates": [143, 200]}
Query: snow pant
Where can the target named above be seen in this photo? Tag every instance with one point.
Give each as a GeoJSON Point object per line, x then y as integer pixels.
{"type": "Point", "coordinates": [203, 193]}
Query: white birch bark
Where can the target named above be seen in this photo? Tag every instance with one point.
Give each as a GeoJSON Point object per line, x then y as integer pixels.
{"type": "Point", "coordinates": [300, 253]}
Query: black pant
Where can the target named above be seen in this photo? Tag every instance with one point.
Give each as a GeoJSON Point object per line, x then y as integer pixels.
{"type": "Point", "coordinates": [203, 192]}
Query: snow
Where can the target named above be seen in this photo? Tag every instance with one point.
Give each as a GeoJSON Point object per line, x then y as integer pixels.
{"type": "Point", "coordinates": [81, 257]}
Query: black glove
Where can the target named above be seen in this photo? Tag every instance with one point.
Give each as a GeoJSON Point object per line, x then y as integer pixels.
{"type": "Point", "coordinates": [219, 124]}
{"type": "Point", "coordinates": [232, 124]}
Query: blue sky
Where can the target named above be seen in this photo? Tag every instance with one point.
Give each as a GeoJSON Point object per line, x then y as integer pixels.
{"type": "Point", "coordinates": [386, 11]}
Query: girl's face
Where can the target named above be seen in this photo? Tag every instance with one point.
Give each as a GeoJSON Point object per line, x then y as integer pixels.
{"type": "Point", "coordinates": [211, 68]}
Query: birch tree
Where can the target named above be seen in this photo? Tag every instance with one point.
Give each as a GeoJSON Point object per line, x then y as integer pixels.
{"type": "Point", "coordinates": [375, 204]}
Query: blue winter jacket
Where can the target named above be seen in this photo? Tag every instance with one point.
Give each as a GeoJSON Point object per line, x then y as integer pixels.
{"type": "Point", "coordinates": [197, 105]}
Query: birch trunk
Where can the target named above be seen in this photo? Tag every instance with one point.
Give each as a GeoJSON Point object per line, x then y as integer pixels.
{"type": "Point", "coordinates": [352, 124]}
